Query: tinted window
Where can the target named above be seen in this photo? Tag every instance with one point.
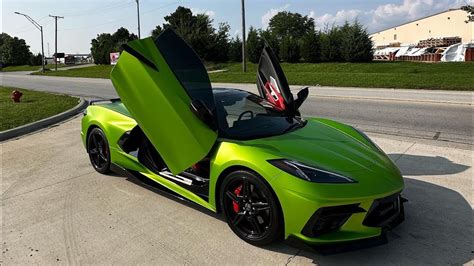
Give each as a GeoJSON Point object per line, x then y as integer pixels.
{"type": "Point", "coordinates": [242, 115]}
{"type": "Point", "coordinates": [186, 65]}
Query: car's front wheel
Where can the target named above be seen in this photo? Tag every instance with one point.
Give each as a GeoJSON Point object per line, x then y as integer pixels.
{"type": "Point", "coordinates": [98, 150]}
{"type": "Point", "coordinates": [250, 208]}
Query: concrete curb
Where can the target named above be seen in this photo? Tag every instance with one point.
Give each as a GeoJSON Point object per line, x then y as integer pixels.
{"type": "Point", "coordinates": [43, 123]}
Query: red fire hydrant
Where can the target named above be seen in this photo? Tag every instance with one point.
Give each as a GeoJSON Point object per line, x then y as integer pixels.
{"type": "Point", "coordinates": [16, 95]}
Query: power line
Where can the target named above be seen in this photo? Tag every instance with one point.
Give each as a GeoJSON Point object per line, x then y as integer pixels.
{"type": "Point", "coordinates": [28, 27]}
{"type": "Point", "coordinates": [99, 9]}
{"type": "Point", "coordinates": [117, 20]}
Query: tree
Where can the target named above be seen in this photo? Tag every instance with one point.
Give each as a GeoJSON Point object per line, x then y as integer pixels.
{"type": "Point", "coordinates": [331, 41]}
{"type": "Point", "coordinates": [470, 10]}
{"type": "Point", "coordinates": [4, 38]}
{"type": "Point", "coordinates": [13, 51]}
{"type": "Point", "coordinates": [221, 44]}
{"type": "Point", "coordinates": [356, 46]}
{"type": "Point", "coordinates": [235, 49]}
{"type": "Point", "coordinates": [156, 32]}
{"type": "Point", "coordinates": [289, 50]}
{"type": "Point", "coordinates": [121, 37]}
{"type": "Point", "coordinates": [106, 43]}
{"type": "Point", "coordinates": [101, 47]}
{"type": "Point", "coordinates": [35, 60]}
{"type": "Point", "coordinates": [271, 40]}
{"type": "Point", "coordinates": [182, 21]}
{"type": "Point", "coordinates": [287, 24]}
{"type": "Point", "coordinates": [198, 32]}
{"type": "Point", "coordinates": [311, 47]}
{"type": "Point", "coordinates": [254, 45]}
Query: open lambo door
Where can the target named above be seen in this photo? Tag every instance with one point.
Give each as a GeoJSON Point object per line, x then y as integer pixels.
{"type": "Point", "coordinates": [273, 85]}
{"type": "Point", "coordinates": [165, 86]}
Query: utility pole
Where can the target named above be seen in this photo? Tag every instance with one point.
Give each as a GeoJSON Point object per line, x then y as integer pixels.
{"type": "Point", "coordinates": [244, 61]}
{"type": "Point", "coordinates": [40, 28]}
{"type": "Point", "coordinates": [138, 16]}
{"type": "Point", "coordinates": [49, 53]}
{"type": "Point", "coordinates": [56, 40]}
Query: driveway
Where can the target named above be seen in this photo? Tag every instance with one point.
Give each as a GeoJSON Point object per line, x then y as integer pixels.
{"type": "Point", "coordinates": [57, 209]}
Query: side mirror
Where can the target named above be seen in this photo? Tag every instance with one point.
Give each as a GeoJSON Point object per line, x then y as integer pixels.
{"type": "Point", "coordinates": [302, 95]}
{"type": "Point", "coordinates": [200, 109]}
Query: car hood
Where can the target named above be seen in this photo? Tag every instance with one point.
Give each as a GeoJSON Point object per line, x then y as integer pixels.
{"type": "Point", "coordinates": [328, 145]}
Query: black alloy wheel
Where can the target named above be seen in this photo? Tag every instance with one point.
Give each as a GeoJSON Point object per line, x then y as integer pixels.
{"type": "Point", "coordinates": [250, 208]}
{"type": "Point", "coordinates": [98, 150]}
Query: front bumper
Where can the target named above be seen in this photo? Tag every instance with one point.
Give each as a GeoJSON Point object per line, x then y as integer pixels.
{"type": "Point", "coordinates": [384, 213]}
{"type": "Point", "coordinates": [340, 213]}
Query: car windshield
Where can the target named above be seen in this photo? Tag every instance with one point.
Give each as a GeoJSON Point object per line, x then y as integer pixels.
{"type": "Point", "coordinates": [243, 115]}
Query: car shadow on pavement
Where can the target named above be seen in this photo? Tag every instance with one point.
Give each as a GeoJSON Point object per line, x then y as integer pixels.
{"type": "Point", "coordinates": [416, 165]}
{"type": "Point", "coordinates": [437, 229]}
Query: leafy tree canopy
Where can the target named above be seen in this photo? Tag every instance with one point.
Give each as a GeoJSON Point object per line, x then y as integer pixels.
{"type": "Point", "coordinates": [106, 43]}
{"type": "Point", "coordinates": [14, 51]}
{"type": "Point", "coordinates": [290, 25]}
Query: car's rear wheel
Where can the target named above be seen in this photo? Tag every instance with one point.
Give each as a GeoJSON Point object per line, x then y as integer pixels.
{"type": "Point", "coordinates": [250, 208]}
{"type": "Point", "coordinates": [98, 150]}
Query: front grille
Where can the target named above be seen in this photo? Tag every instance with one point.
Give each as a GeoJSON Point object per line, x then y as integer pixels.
{"type": "Point", "coordinates": [385, 212]}
{"type": "Point", "coordinates": [328, 219]}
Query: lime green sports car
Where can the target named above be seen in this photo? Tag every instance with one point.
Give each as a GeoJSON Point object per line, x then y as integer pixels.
{"type": "Point", "coordinates": [272, 173]}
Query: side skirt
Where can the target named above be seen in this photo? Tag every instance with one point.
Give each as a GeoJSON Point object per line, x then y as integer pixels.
{"type": "Point", "coordinates": [171, 187]}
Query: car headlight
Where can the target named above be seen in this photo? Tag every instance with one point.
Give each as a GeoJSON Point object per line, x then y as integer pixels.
{"type": "Point", "coordinates": [310, 173]}
{"type": "Point", "coordinates": [368, 139]}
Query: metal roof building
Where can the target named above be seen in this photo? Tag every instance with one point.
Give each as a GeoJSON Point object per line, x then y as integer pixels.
{"type": "Point", "coordinates": [450, 23]}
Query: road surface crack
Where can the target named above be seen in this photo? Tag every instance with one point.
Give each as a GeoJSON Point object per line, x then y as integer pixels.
{"type": "Point", "coordinates": [401, 155]}
{"type": "Point", "coordinates": [292, 257]}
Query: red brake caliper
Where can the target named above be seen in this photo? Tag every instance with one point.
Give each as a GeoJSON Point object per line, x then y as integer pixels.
{"type": "Point", "coordinates": [235, 205]}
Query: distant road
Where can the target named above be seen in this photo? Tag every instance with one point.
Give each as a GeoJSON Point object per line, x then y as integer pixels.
{"type": "Point", "coordinates": [438, 115]}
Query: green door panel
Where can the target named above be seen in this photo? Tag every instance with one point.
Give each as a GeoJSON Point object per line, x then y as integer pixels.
{"type": "Point", "coordinates": [157, 100]}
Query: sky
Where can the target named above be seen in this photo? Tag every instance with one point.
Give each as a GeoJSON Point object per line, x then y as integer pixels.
{"type": "Point", "coordinates": [83, 20]}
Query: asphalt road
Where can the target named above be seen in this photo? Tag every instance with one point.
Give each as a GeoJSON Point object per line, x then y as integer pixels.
{"type": "Point", "coordinates": [56, 209]}
{"type": "Point", "coordinates": [434, 115]}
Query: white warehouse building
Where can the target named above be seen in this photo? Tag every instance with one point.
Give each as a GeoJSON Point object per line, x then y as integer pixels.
{"type": "Point", "coordinates": [450, 23]}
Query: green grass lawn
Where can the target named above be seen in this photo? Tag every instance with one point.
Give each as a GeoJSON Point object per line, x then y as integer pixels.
{"type": "Point", "coordinates": [407, 75]}
{"type": "Point", "coordinates": [28, 68]}
{"type": "Point", "coordinates": [20, 68]}
{"type": "Point", "coordinates": [98, 71]}
{"type": "Point", "coordinates": [33, 106]}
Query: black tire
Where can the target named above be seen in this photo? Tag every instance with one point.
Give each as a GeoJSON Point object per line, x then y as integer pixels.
{"type": "Point", "coordinates": [98, 150]}
{"type": "Point", "coordinates": [251, 211]}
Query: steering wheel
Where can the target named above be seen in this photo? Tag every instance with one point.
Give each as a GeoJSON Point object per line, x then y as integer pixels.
{"type": "Point", "coordinates": [246, 112]}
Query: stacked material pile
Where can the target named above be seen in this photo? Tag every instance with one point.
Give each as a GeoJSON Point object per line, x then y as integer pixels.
{"type": "Point", "coordinates": [439, 42]}
{"type": "Point", "coordinates": [448, 49]}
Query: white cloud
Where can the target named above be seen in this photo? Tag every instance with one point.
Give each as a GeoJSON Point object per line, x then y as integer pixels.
{"type": "Point", "coordinates": [271, 13]}
{"type": "Point", "coordinates": [388, 15]}
{"type": "Point", "coordinates": [339, 18]}
{"type": "Point", "coordinates": [210, 13]}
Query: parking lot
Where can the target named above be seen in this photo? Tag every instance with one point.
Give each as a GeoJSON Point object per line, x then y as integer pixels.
{"type": "Point", "coordinates": [57, 209]}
